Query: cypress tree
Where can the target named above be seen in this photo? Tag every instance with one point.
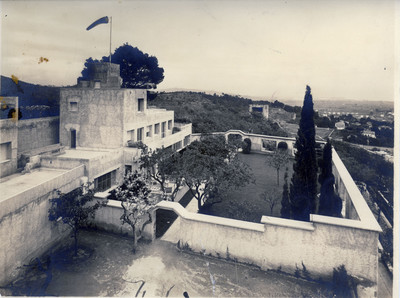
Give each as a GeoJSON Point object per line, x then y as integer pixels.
{"type": "Point", "coordinates": [285, 210]}
{"type": "Point", "coordinates": [326, 163]}
{"type": "Point", "coordinates": [329, 203]}
{"type": "Point", "coordinates": [303, 188]}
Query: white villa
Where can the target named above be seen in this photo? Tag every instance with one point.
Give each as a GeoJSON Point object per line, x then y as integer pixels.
{"type": "Point", "coordinates": [95, 138]}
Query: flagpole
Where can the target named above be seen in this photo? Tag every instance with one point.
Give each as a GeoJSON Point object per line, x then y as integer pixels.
{"type": "Point", "coordinates": [110, 36]}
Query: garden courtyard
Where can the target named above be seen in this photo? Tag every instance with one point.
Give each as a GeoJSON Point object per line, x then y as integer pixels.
{"type": "Point", "coordinates": [245, 203]}
{"type": "Point", "coordinates": [106, 267]}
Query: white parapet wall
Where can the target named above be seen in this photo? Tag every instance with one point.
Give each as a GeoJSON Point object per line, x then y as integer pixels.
{"type": "Point", "coordinates": [108, 219]}
{"type": "Point", "coordinates": [25, 230]}
{"type": "Point", "coordinates": [321, 244]}
{"type": "Point", "coordinates": [256, 139]}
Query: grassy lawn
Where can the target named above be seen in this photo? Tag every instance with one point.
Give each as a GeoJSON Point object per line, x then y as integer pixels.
{"type": "Point", "coordinates": [245, 203]}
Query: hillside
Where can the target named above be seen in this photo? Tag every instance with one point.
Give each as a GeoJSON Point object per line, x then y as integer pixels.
{"type": "Point", "coordinates": [213, 113]}
{"type": "Point", "coordinates": [34, 100]}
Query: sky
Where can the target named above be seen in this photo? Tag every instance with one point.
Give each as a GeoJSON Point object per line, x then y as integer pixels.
{"type": "Point", "coordinates": [266, 49]}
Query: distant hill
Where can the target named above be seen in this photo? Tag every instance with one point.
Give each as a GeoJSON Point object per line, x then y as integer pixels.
{"type": "Point", "coordinates": [34, 100]}
{"type": "Point", "coordinates": [214, 113]}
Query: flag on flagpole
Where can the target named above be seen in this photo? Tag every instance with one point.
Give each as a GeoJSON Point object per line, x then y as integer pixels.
{"type": "Point", "coordinates": [103, 20]}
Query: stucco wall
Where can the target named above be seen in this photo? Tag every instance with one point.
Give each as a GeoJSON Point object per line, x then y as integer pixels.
{"type": "Point", "coordinates": [9, 133]}
{"type": "Point", "coordinates": [343, 187]}
{"type": "Point", "coordinates": [281, 243]}
{"type": "Point", "coordinates": [131, 104]}
{"type": "Point", "coordinates": [256, 139]}
{"type": "Point", "coordinates": [37, 133]}
{"type": "Point", "coordinates": [109, 219]}
{"type": "Point", "coordinates": [97, 120]}
{"type": "Point", "coordinates": [25, 231]}
{"type": "Point", "coordinates": [100, 163]}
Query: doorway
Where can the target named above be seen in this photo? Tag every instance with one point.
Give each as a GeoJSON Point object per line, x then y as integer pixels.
{"type": "Point", "coordinates": [73, 138]}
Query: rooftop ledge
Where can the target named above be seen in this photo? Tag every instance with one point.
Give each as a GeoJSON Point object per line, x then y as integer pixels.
{"type": "Point", "coordinates": [269, 220]}
{"type": "Point", "coordinates": [234, 223]}
{"type": "Point", "coordinates": [328, 220]}
{"type": "Point", "coordinates": [290, 223]}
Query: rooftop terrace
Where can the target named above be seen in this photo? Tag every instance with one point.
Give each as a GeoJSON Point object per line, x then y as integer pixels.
{"type": "Point", "coordinates": [18, 183]}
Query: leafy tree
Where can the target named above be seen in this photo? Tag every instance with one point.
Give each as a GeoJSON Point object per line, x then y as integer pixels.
{"type": "Point", "coordinates": [270, 199]}
{"type": "Point", "coordinates": [279, 159]}
{"type": "Point", "coordinates": [246, 146]}
{"type": "Point", "coordinates": [74, 209]}
{"type": "Point", "coordinates": [210, 168]}
{"type": "Point", "coordinates": [210, 113]}
{"type": "Point", "coordinates": [137, 69]}
{"type": "Point", "coordinates": [161, 165]}
{"type": "Point", "coordinates": [235, 140]}
{"type": "Point", "coordinates": [329, 203]}
{"type": "Point", "coordinates": [285, 210]}
{"type": "Point", "coordinates": [136, 203]}
{"type": "Point", "coordinates": [303, 188]}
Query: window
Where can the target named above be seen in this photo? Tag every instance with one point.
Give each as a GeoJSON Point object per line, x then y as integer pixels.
{"type": "Point", "coordinates": [157, 128]}
{"type": "Point", "coordinates": [73, 106]}
{"type": "Point", "coordinates": [128, 169]}
{"type": "Point", "coordinates": [186, 140]}
{"type": "Point", "coordinates": [131, 135]}
{"type": "Point", "coordinates": [140, 134]}
{"type": "Point", "coordinates": [5, 151]}
{"type": "Point", "coordinates": [105, 181]}
{"type": "Point", "coordinates": [163, 130]}
{"type": "Point", "coordinates": [169, 124]}
{"type": "Point", "coordinates": [72, 103]}
{"type": "Point", "coordinates": [149, 130]}
{"type": "Point", "coordinates": [140, 104]}
{"type": "Point", "coordinates": [177, 146]}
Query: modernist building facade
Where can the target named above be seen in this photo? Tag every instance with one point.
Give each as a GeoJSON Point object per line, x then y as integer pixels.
{"type": "Point", "coordinates": [99, 116]}
{"type": "Point", "coordinates": [94, 139]}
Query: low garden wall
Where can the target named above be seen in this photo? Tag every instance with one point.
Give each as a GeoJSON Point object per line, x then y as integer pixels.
{"type": "Point", "coordinates": [281, 244]}
{"type": "Point", "coordinates": [108, 218]}
{"type": "Point", "coordinates": [275, 243]}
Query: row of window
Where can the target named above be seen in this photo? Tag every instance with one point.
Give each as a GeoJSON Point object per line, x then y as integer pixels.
{"type": "Point", "coordinates": [149, 131]}
{"type": "Point", "coordinates": [105, 181]}
{"type": "Point", "coordinates": [73, 105]}
{"type": "Point", "coordinates": [5, 151]}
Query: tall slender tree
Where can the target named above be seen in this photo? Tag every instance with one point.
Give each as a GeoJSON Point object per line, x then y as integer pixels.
{"type": "Point", "coordinates": [285, 210]}
{"type": "Point", "coordinates": [325, 163]}
{"type": "Point", "coordinates": [303, 187]}
{"type": "Point", "coordinates": [329, 203]}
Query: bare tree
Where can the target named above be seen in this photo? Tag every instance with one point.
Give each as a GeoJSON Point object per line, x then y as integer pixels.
{"type": "Point", "coordinates": [278, 160]}
{"type": "Point", "coordinates": [271, 199]}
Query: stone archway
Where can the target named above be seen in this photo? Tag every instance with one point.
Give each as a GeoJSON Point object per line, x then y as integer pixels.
{"type": "Point", "coordinates": [282, 146]}
{"type": "Point", "coordinates": [164, 219]}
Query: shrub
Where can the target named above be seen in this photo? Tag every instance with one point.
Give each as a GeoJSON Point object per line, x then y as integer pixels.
{"type": "Point", "coordinates": [246, 146]}
{"type": "Point", "coordinates": [341, 282]}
